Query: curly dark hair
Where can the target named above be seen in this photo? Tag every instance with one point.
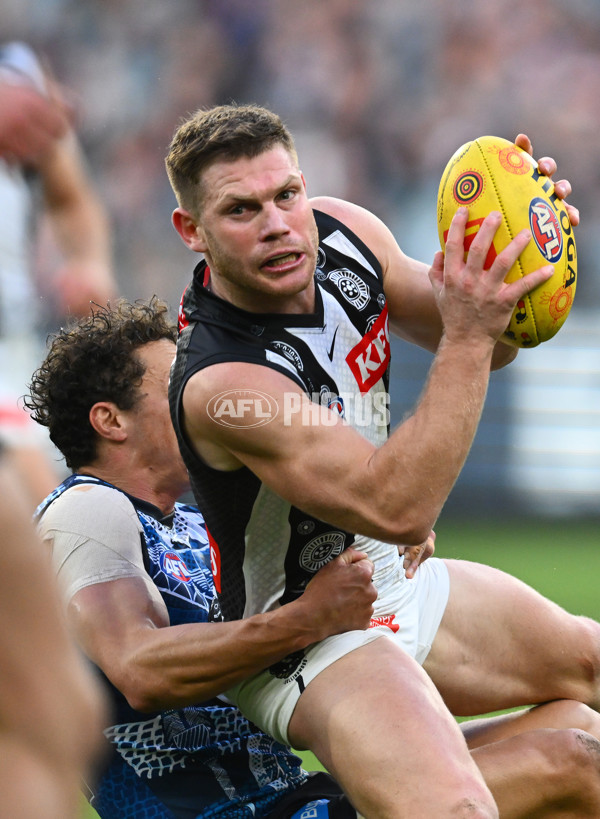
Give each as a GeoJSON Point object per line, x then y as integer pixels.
{"type": "Point", "coordinates": [91, 360]}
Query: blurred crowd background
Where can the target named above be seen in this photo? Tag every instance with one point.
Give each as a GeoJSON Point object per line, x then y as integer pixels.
{"type": "Point", "coordinates": [379, 94]}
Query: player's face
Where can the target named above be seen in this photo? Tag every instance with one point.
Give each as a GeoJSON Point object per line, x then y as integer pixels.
{"type": "Point", "coordinates": [258, 233]}
{"type": "Point", "coordinates": [152, 432]}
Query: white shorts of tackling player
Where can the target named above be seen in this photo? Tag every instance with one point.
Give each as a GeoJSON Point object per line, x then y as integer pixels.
{"type": "Point", "coordinates": [410, 614]}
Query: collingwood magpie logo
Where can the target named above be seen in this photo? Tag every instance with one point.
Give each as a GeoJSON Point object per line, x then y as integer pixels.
{"type": "Point", "coordinates": [351, 286]}
{"type": "Point", "coordinates": [290, 667]}
{"type": "Point", "coordinates": [321, 550]}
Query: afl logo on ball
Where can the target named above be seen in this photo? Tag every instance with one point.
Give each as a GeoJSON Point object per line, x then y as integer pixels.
{"type": "Point", "coordinates": [467, 187]}
{"type": "Point", "coordinates": [546, 230]}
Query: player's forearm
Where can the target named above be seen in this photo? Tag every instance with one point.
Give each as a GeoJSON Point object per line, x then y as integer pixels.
{"type": "Point", "coordinates": [182, 665]}
{"type": "Point", "coordinates": [78, 217]}
{"type": "Point", "coordinates": [413, 473]}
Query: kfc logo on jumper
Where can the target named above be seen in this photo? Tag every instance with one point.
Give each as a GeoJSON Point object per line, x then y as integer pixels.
{"type": "Point", "coordinates": [215, 561]}
{"type": "Point", "coordinates": [174, 566]}
{"type": "Point", "coordinates": [369, 359]}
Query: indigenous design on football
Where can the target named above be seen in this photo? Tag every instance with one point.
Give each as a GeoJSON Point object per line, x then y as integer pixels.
{"type": "Point", "coordinates": [521, 312]}
{"type": "Point", "coordinates": [559, 302]}
{"type": "Point", "coordinates": [514, 161]}
{"type": "Point", "coordinates": [545, 229]}
{"type": "Point", "coordinates": [513, 185]}
{"type": "Point", "coordinates": [467, 187]}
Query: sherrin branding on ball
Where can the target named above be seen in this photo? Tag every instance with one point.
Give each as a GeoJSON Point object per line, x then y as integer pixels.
{"type": "Point", "coordinates": [491, 173]}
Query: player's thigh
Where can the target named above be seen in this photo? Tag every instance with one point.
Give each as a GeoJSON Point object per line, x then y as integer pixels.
{"type": "Point", "coordinates": [501, 643]}
{"type": "Point", "coordinates": [543, 773]}
{"type": "Point", "coordinates": [374, 714]}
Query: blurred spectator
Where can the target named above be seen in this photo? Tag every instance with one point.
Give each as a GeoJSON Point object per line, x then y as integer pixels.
{"type": "Point", "coordinates": [42, 176]}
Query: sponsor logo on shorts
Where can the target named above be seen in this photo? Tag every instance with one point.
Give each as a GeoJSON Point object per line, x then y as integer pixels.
{"type": "Point", "coordinates": [387, 620]}
{"type": "Point", "coordinates": [314, 810]}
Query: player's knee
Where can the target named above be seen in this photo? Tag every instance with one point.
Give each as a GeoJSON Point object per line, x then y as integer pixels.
{"type": "Point", "coordinates": [474, 809]}
{"type": "Point", "coordinates": [573, 756]}
{"type": "Point", "coordinates": [589, 657]}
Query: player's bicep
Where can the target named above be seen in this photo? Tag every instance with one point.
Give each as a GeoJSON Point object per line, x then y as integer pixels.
{"type": "Point", "coordinates": [126, 609]}
{"type": "Point", "coordinates": [302, 450]}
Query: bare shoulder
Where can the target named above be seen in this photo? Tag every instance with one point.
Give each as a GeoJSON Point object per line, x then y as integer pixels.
{"type": "Point", "coordinates": [367, 226]}
{"type": "Point", "coordinates": [356, 217]}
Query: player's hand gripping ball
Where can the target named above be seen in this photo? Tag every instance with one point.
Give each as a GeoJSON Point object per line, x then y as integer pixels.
{"type": "Point", "coordinates": [490, 173]}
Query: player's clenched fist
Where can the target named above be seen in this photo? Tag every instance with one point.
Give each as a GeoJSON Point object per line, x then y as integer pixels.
{"type": "Point", "coordinates": [342, 593]}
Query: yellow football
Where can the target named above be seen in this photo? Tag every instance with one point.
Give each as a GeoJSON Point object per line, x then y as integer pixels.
{"type": "Point", "coordinates": [491, 173]}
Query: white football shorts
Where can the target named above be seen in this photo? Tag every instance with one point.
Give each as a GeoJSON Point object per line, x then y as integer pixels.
{"type": "Point", "coordinates": [410, 613]}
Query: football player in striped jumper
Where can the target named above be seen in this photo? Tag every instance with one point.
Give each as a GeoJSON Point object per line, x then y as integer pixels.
{"type": "Point", "coordinates": [279, 398]}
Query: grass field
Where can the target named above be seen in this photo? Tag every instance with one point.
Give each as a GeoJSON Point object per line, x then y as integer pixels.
{"type": "Point", "coordinates": [561, 559]}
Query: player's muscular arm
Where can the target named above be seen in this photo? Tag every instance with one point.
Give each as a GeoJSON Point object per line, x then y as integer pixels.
{"type": "Point", "coordinates": [319, 463]}
{"type": "Point", "coordinates": [124, 629]}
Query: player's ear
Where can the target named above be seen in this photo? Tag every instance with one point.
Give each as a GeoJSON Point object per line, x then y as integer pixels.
{"type": "Point", "coordinates": [106, 419]}
{"type": "Point", "coordinates": [190, 232]}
